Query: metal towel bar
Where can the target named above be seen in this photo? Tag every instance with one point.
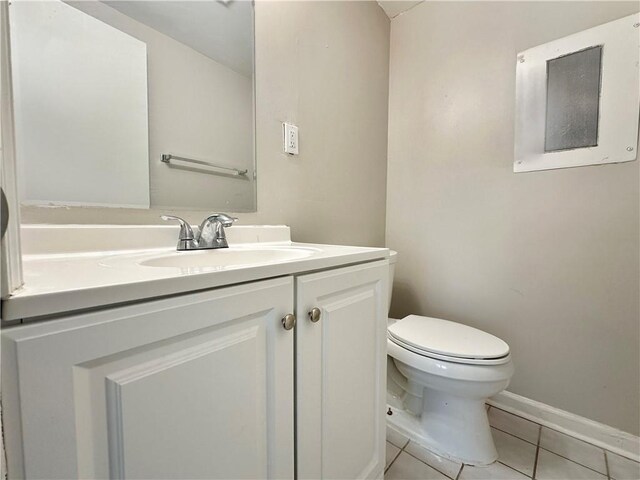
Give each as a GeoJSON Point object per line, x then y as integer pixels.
{"type": "Point", "coordinates": [167, 157]}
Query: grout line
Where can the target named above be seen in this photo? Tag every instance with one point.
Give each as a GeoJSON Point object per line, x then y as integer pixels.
{"type": "Point", "coordinates": [394, 459]}
{"type": "Point", "coordinates": [459, 472]}
{"type": "Point", "coordinates": [514, 414]}
{"type": "Point", "coordinates": [523, 440]}
{"type": "Point", "coordinates": [537, 445]}
{"type": "Point", "coordinates": [558, 431]}
{"type": "Point", "coordinates": [604, 454]}
{"type": "Point", "coordinates": [535, 463]}
{"type": "Point", "coordinates": [430, 466]}
{"type": "Point", "coordinates": [578, 463]}
{"type": "Point", "coordinates": [517, 416]}
{"type": "Point", "coordinates": [406, 439]}
{"type": "Point", "coordinates": [516, 436]}
{"type": "Point", "coordinates": [513, 468]}
{"type": "Point", "coordinates": [604, 450]}
{"type": "Point", "coordinates": [406, 442]}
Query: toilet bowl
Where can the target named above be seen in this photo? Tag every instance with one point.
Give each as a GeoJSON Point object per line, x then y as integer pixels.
{"type": "Point", "coordinates": [443, 372]}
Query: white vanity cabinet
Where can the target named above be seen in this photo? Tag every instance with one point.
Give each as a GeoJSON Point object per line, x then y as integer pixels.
{"type": "Point", "coordinates": [341, 360]}
{"type": "Point", "coordinates": [195, 386]}
{"type": "Point", "coordinates": [201, 385]}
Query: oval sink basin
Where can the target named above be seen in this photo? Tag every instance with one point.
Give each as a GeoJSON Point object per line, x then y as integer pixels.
{"type": "Point", "coordinates": [224, 258]}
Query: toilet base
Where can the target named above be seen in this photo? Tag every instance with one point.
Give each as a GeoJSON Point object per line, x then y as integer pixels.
{"type": "Point", "coordinates": [451, 427]}
{"type": "Point", "coordinates": [443, 403]}
{"type": "Point", "coordinates": [459, 426]}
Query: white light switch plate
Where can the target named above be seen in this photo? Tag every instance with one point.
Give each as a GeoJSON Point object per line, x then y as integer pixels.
{"type": "Point", "coordinates": [290, 137]}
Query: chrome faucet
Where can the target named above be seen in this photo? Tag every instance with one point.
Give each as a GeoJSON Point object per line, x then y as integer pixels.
{"type": "Point", "coordinates": [210, 233]}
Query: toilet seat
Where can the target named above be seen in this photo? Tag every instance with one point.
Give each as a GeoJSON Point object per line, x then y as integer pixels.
{"type": "Point", "coordinates": [448, 341]}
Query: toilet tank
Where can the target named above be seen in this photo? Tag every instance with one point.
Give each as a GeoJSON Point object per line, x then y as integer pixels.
{"type": "Point", "coordinates": [393, 258]}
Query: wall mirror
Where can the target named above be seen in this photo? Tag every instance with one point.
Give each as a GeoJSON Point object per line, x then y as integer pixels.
{"type": "Point", "coordinates": [134, 103]}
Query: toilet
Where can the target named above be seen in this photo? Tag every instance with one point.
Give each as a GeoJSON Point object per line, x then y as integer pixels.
{"type": "Point", "coordinates": [440, 374]}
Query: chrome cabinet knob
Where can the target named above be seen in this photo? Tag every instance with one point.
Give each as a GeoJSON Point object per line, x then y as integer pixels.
{"type": "Point", "coordinates": [314, 314]}
{"type": "Point", "coordinates": [289, 321]}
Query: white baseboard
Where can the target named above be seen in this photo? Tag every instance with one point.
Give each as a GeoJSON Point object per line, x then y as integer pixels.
{"type": "Point", "coordinates": [604, 436]}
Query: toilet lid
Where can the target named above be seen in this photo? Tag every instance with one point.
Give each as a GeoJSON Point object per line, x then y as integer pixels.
{"type": "Point", "coordinates": [450, 339]}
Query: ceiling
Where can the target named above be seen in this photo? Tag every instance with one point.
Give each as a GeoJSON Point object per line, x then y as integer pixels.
{"type": "Point", "coordinates": [221, 30]}
{"type": "Point", "coordinates": [393, 8]}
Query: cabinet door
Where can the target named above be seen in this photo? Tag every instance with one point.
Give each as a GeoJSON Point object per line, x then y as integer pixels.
{"type": "Point", "coordinates": [195, 386]}
{"type": "Point", "coordinates": [341, 373]}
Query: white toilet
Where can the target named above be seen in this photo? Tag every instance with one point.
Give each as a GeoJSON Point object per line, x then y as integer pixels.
{"type": "Point", "coordinates": [440, 375]}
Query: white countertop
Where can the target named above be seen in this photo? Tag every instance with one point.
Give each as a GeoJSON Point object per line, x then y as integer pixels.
{"type": "Point", "coordinates": [59, 279]}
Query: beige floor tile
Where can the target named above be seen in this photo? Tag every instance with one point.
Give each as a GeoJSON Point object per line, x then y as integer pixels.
{"type": "Point", "coordinates": [396, 437]}
{"type": "Point", "coordinates": [514, 425]}
{"type": "Point", "coordinates": [392, 453]}
{"type": "Point", "coordinates": [621, 468]}
{"type": "Point", "coordinates": [554, 467]}
{"type": "Point", "coordinates": [496, 471]}
{"type": "Point", "coordinates": [573, 449]}
{"type": "Point", "coordinates": [407, 467]}
{"type": "Point", "coordinates": [448, 467]}
{"type": "Point", "coordinates": [515, 452]}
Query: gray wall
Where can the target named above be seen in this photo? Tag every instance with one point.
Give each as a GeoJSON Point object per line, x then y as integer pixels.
{"type": "Point", "coordinates": [549, 260]}
{"type": "Point", "coordinates": [324, 67]}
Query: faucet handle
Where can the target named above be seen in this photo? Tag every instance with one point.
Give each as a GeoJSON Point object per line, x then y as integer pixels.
{"type": "Point", "coordinates": [186, 238]}
{"type": "Point", "coordinates": [186, 232]}
{"type": "Point", "coordinates": [223, 218]}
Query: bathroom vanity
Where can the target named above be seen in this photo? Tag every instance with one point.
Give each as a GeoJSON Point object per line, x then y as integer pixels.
{"type": "Point", "coordinates": [264, 360]}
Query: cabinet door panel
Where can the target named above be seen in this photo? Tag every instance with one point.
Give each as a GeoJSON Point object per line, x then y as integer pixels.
{"type": "Point", "coordinates": [197, 386]}
{"type": "Point", "coordinates": [341, 373]}
{"type": "Point", "coordinates": [193, 412]}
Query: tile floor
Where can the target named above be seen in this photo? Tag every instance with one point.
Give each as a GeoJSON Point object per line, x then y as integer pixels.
{"type": "Point", "coordinates": [526, 450]}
